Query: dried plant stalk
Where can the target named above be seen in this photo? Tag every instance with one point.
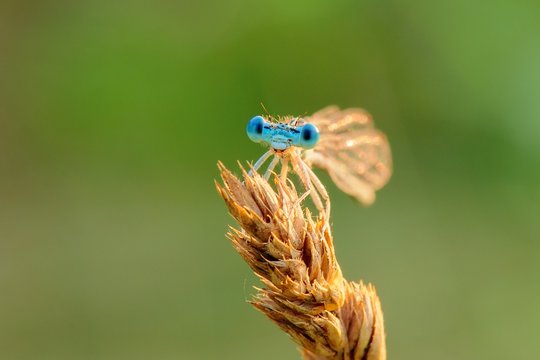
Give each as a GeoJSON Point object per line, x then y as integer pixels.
{"type": "Point", "coordinates": [304, 291]}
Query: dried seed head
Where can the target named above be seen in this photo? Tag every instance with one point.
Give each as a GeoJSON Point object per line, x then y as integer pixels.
{"type": "Point", "coordinates": [292, 252]}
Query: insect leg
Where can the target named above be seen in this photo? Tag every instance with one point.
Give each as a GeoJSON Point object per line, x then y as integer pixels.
{"type": "Point", "coordinates": [261, 161]}
{"type": "Point", "coordinates": [284, 169]}
{"type": "Point", "coordinates": [306, 181]}
{"type": "Point", "coordinates": [318, 184]}
{"type": "Point", "coordinates": [271, 167]}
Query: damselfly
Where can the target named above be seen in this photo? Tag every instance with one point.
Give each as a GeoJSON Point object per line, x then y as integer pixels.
{"type": "Point", "coordinates": [345, 143]}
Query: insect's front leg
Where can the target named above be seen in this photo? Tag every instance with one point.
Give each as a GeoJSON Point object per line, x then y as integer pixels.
{"type": "Point", "coordinates": [261, 161]}
{"type": "Point", "coordinates": [284, 169]}
{"type": "Point", "coordinates": [271, 167]}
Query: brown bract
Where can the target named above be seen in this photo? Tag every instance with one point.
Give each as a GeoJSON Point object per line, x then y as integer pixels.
{"type": "Point", "coordinates": [292, 252]}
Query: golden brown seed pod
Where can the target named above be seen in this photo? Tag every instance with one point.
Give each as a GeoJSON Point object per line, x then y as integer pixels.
{"type": "Point", "coordinates": [304, 291]}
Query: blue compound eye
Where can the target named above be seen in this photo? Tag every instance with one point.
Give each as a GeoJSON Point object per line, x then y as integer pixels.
{"type": "Point", "coordinates": [254, 128]}
{"type": "Point", "coordinates": [309, 136]}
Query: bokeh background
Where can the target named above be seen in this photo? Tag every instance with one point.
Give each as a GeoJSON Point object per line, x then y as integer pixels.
{"type": "Point", "coordinates": [114, 113]}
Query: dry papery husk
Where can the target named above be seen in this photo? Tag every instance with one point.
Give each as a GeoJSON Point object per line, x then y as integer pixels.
{"type": "Point", "coordinates": [291, 250]}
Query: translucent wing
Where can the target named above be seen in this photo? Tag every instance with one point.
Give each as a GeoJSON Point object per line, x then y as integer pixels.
{"type": "Point", "coordinates": [355, 154]}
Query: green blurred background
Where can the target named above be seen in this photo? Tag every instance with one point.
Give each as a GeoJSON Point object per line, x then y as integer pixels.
{"type": "Point", "coordinates": [114, 113]}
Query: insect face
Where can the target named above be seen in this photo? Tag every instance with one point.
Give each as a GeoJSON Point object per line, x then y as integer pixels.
{"type": "Point", "coordinates": [281, 136]}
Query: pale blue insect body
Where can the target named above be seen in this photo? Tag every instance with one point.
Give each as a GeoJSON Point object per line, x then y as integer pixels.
{"type": "Point", "coordinates": [281, 136]}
